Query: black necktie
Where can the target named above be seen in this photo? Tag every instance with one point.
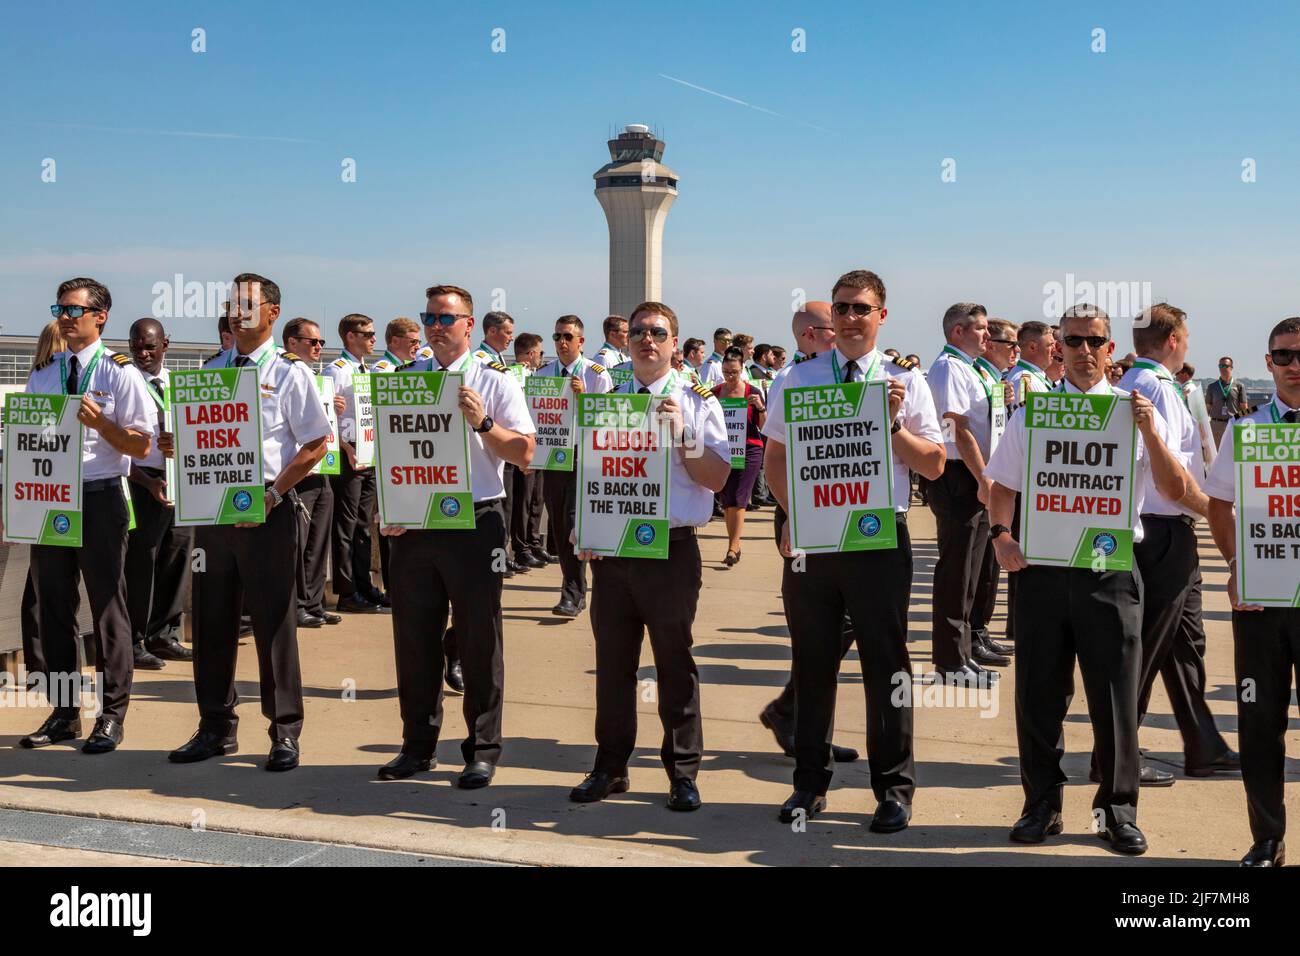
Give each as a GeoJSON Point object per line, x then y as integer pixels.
{"type": "Point", "coordinates": [74, 369]}
{"type": "Point", "coordinates": [851, 371]}
{"type": "Point", "coordinates": [242, 360]}
{"type": "Point", "coordinates": [1292, 416]}
{"type": "Point", "coordinates": [362, 368]}
{"type": "Point", "coordinates": [643, 390]}
{"type": "Point", "coordinates": [157, 386]}
{"type": "Point", "coordinates": [564, 372]}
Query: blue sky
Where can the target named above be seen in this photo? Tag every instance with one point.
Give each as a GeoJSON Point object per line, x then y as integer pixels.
{"type": "Point", "coordinates": [475, 167]}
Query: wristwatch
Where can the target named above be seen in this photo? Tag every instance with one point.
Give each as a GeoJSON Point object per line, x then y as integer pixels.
{"type": "Point", "coordinates": [894, 428]}
{"type": "Point", "coordinates": [996, 530]}
{"type": "Point", "coordinates": [276, 497]}
{"type": "Point", "coordinates": [485, 425]}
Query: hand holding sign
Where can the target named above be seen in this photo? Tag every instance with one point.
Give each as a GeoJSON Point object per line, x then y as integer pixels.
{"type": "Point", "coordinates": [166, 444]}
{"type": "Point", "coordinates": [90, 414]}
{"type": "Point", "coordinates": [471, 403]}
{"type": "Point", "coordinates": [1009, 555]}
{"type": "Point", "coordinates": [1233, 598]}
{"type": "Point", "coordinates": [897, 392]}
{"type": "Point", "coordinates": [575, 382]}
{"type": "Point", "coordinates": [670, 414]}
{"type": "Point", "coordinates": [1144, 416]}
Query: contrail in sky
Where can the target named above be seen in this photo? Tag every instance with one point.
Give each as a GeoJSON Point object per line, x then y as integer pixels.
{"type": "Point", "coordinates": [732, 99]}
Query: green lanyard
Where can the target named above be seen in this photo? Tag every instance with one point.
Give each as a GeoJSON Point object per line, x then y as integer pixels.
{"type": "Point", "coordinates": [577, 368]}
{"type": "Point", "coordinates": [1226, 389]}
{"type": "Point", "coordinates": [458, 366]}
{"type": "Point", "coordinates": [867, 375]}
{"type": "Point", "coordinates": [360, 365]}
{"type": "Point", "coordinates": [84, 378]}
{"type": "Point", "coordinates": [261, 363]}
{"type": "Point", "coordinates": [1162, 373]}
{"type": "Point", "coordinates": [491, 351]}
{"type": "Point", "coordinates": [668, 386]}
{"type": "Point", "coordinates": [397, 363]}
{"type": "Point", "coordinates": [1035, 375]}
{"type": "Point", "coordinates": [980, 375]}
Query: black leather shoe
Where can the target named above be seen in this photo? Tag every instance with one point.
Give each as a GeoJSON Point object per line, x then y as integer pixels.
{"type": "Point", "coordinates": [965, 676]}
{"type": "Point", "coordinates": [105, 737]}
{"type": "Point", "coordinates": [514, 566]}
{"type": "Point", "coordinates": [455, 676]}
{"type": "Point", "coordinates": [168, 649]}
{"type": "Point", "coordinates": [377, 597]}
{"type": "Point", "coordinates": [597, 786]}
{"type": "Point", "coordinates": [356, 604]}
{"type": "Point", "coordinates": [476, 775]}
{"type": "Point", "coordinates": [985, 675]}
{"type": "Point", "coordinates": [406, 765]}
{"type": "Point", "coordinates": [1038, 823]}
{"type": "Point", "coordinates": [202, 745]}
{"type": "Point", "coordinates": [548, 557]}
{"type": "Point", "coordinates": [309, 620]}
{"type": "Point", "coordinates": [54, 730]}
{"type": "Point", "coordinates": [531, 561]}
{"type": "Point", "coordinates": [1228, 763]}
{"type": "Point", "coordinates": [683, 795]}
{"type": "Point", "coordinates": [782, 728]}
{"type": "Point", "coordinates": [890, 817]}
{"type": "Point", "coordinates": [1151, 777]}
{"type": "Point", "coordinates": [284, 755]}
{"type": "Point", "coordinates": [1125, 838]}
{"type": "Point", "coordinates": [995, 646]}
{"type": "Point", "coordinates": [806, 801]}
{"type": "Point", "coordinates": [982, 653]}
{"type": "Point", "coordinates": [145, 661]}
{"type": "Point", "coordinates": [1266, 853]}
{"type": "Point", "coordinates": [843, 754]}
{"type": "Point", "coordinates": [565, 608]}
{"type": "Point", "coordinates": [329, 618]}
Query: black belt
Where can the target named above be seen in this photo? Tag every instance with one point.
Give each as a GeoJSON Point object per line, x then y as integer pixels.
{"type": "Point", "coordinates": [151, 472]}
{"type": "Point", "coordinates": [493, 504]}
{"type": "Point", "coordinates": [1185, 519]}
{"type": "Point", "coordinates": [684, 533]}
{"type": "Point", "coordinates": [100, 484]}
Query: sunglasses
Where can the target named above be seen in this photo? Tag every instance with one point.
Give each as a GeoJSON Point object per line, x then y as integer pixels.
{"type": "Point", "coordinates": [1002, 341]}
{"type": "Point", "coordinates": [656, 332]}
{"type": "Point", "coordinates": [320, 342]}
{"type": "Point", "coordinates": [563, 337]}
{"type": "Point", "coordinates": [859, 308]}
{"type": "Point", "coordinates": [365, 335]}
{"type": "Point", "coordinates": [71, 311]}
{"type": "Point", "coordinates": [1282, 357]}
{"type": "Point", "coordinates": [1094, 341]}
{"type": "Point", "coordinates": [445, 319]}
{"type": "Point", "coordinates": [1226, 365]}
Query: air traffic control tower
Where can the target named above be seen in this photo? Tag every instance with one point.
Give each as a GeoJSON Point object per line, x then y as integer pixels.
{"type": "Point", "coordinates": [636, 191]}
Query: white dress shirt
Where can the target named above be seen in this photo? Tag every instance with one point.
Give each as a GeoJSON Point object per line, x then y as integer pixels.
{"type": "Point", "coordinates": [340, 372]}
{"type": "Point", "coordinates": [503, 402]}
{"type": "Point", "coordinates": [959, 388]}
{"type": "Point", "coordinates": [120, 392]}
{"type": "Point", "coordinates": [917, 412]}
{"type": "Point", "coordinates": [1222, 480]}
{"type": "Point", "coordinates": [1007, 466]}
{"type": "Point", "coordinates": [690, 504]}
{"type": "Point", "coordinates": [1185, 437]}
{"type": "Point", "coordinates": [292, 414]}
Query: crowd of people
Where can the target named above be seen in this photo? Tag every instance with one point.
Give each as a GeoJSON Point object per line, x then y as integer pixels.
{"type": "Point", "coordinates": [958, 444]}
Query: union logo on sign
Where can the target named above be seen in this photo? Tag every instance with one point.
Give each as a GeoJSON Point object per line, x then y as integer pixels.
{"type": "Point", "coordinates": [645, 534]}
{"type": "Point", "coordinates": [1104, 543]}
{"type": "Point", "coordinates": [61, 524]}
{"type": "Point", "coordinates": [868, 526]}
{"type": "Point", "coordinates": [242, 501]}
{"type": "Point", "coordinates": [449, 507]}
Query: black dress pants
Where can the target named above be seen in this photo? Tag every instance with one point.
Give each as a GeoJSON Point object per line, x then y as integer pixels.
{"type": "Point", "coordinates": [434, 574]}
{"type": "Point", "coordinates": [256, 568]}
{"type": "Point", "coordinates": [630, 597]}
{"type": "Point", "coordinates": [963, 529]}
{"type": "Point", "coordinates": [874, 587]}
{"type": "Point", "coordinates": [1061, 614]}
{"type": "Point", "coordinates": [101, 563]}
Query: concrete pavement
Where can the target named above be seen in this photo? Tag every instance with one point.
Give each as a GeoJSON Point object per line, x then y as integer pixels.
{"type": "Point", "coordinates": [968, 796]}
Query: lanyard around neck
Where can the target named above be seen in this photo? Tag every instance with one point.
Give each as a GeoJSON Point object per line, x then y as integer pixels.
{"type": "Point", "coordinates": [868, 374]}
{"type": "Point", "coordinates": [668, 385]}
{"type": "Point", "coordinates": [84, 378]}
{"type": "Point", "coordinates": [980, 375]}
{"type": "Point", "coordinates": [261, 363]}
{"type": "Point", "coordinates": [1162, 373]}
{"type": "Point", "coordinates": [1036, 375]}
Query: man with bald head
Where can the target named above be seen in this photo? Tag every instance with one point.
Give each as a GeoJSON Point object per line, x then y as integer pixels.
{"type": "Point", "coordinates": [157, 552]}
{"type": "Point", "coordinates": [814, 334]}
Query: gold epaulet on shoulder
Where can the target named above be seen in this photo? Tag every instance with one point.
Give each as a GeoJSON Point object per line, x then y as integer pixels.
{"type": "Point", "coordinates": [498, 366]}
{"type": "Point", "coordinates": [702, 390]}
{"type": "Point", "coordinates": [905, 363]}
{"type": "Point", "coordinates": [340, 363]}
{"type": "Point", "coordinates": [121, 359]}
{"type": "Point", "coordinates": [598, 367]}
{"type": "Point", "coordinates": [289, 357]}
{"type": "Point", "coordinates": [803, 358]}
